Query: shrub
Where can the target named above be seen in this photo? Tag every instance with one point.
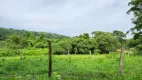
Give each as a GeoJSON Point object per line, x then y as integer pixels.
{"type": "Point", "coordinates": [8, 52]}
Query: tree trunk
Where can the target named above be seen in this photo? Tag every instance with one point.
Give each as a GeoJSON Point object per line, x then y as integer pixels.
{"type": "Point", "coordinates": [50, 60]}
{"type": "Point", "coordinates": [121, 60]}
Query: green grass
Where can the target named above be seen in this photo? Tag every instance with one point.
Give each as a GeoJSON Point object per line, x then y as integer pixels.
{"type": "Point", "coordinates": [78, 67]}
{"type": "Point", "coordinates": [25, 52]}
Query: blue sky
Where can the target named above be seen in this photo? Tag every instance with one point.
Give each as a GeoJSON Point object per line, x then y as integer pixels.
{"type": "Point", "coordinates": [67, 17]}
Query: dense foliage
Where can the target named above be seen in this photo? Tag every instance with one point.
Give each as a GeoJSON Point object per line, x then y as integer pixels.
{"type": "Point", "coordinates": [101, 42]}
{"type": "Point", "coordinates": [136, 8]}
{"type": "Point", "coordinates": [4, 33]}
{"type": "Point", "coordinates": [32, 47]}
{"type": "Point", "coordinates": [80, 67]}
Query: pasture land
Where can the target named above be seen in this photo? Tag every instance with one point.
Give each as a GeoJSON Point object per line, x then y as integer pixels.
{"type": "Point", "coordinates": [76, 67]}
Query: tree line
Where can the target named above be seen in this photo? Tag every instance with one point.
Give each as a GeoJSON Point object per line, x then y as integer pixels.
{"type": "Point", "coordinates": [5, 33]}
{"type": "Point", "coordinates": [100, 42]}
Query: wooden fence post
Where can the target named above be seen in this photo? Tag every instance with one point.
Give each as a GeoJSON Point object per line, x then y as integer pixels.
{"type": "Point", "coordinates": [121, 60]}
{"type": "Point", "coordinates": [50, 60]}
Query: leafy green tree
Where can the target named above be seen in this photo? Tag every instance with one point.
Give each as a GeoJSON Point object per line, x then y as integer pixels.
{"type": "Point", "coordinates": [41, 42]}
{"type": "Point", "coordinates": [106, 41]}
{"type": "Point", "coordinates": [66, 45]}
{"type": "Point", "coordinates": [57, 49]}
{"type": "Point", "coordinates": [119, 34]}
{"type": "Point", "coordinates": [83, 45]}
{"type": "Point", "coordinates": [17, 42]}
{"type": "Point", "coordinates": [32, 39]}
{"type": "Point", "coordinates": [136, 8]}
{"type": "Point", "coordinates": [85, 36]}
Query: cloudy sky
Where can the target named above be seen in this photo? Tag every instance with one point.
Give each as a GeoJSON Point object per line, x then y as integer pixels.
{"type": "Point", "coordinates": [67, 17]}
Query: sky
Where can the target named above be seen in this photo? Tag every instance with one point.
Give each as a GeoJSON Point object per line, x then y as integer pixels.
{"type": "Point", "coordinates": [66, 17]}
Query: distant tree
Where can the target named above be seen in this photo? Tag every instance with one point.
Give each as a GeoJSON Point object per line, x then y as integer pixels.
{"type": "Point", "coordinates": [106, 41]}
{"type": "Point", "coordinates": [120, 36]}
{"type": "Point", "coordinates": [66, 45]}
{"type": "Point", "coordinates": [41, 41]}
{"type": "Point", "coordinates": [17, 42]}
{"type": "Point", "coordinates": [85, 36]}
{"type": "Point", "coordinates": [83, 45]}
{"type": "Point", "coordinates": [4, 33]}
{"type": "Point", "coordinates": [32, 39]}
{"type": "Point", "coordinates": [57, 49]}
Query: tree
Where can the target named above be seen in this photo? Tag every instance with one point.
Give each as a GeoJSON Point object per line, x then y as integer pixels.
{"type": "Point", "coordinates": [66, 45]}
{"type": "Point", "coordinates": [106, 41]}
{"type": "Point", "coordinates": [4, 33]}
{"type": "Point", "coordinates": [31, 39]}
{"type": "Point", "coordinates": [85, 36]}
{"type": "Point", "coordinates": [17, 42]}
{"type": "Point", "coordinates": [80, 45]}
{"type": "Point", "coordinates": [41, 41]}
{"type": "Point", "coordinates": [136, 8]}
{"type": "Point", "coordinates": [119, 34]}
{"type": "Point", "coordinates": [62, 47]}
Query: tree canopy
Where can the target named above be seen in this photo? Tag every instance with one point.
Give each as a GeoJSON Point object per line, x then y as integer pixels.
{"type": "Point", "coordinates": [136, 9]}
{"type": "Point", "coordinates": [4, 33]}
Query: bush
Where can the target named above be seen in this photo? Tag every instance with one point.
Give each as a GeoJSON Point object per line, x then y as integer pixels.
{"type": "Point", "coordinates": [41, 45]}
{"type": "Point", "coordinates": [11, 52]}
{"type": "Point", "coordinates": [7, 52]}
{"type": "Point", "coordinates": [34, 51]}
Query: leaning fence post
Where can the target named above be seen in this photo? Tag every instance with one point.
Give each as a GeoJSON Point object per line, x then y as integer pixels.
{"type": "Point", "coordinates": [121, 60]}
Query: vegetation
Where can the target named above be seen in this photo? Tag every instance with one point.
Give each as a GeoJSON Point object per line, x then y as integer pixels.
{"type": "Point", "coordinates": [83, 57]}
{"type": "Point", "coordinates": [136, 8]}
{"type": "Point", "coordinates": [101, 42]}
{"type": "Point", "coordinates": [5, 33]}
{"type": "Point", "coordinates": [81, 67]}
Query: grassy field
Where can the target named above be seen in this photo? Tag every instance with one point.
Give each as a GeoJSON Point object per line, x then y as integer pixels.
{"type": "Point", "coordinates": [76, 67]}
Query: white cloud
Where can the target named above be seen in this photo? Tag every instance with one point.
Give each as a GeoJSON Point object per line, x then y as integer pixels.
{"type": "Point", "coordinates": [68, 17]}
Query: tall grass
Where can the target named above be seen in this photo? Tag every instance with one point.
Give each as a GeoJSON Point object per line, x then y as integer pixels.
{"type": "Point", "coordinates": [25, 52]}
{"type": "Point", "coordinates": [79, 67]}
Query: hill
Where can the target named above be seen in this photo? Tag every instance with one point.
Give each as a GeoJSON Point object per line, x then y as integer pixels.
{"type": "Point", "coordinates": [5, 32]}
